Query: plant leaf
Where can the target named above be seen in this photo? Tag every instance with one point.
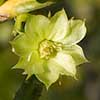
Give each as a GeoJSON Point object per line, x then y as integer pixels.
{"type": "Point", "coordinates": [29, 90]}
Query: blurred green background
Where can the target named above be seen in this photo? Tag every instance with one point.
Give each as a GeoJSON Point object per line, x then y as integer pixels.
{"type": "Point", "coordinates": [87, 87]}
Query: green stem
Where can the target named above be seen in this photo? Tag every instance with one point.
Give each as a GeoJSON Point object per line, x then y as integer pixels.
{"type": "Point", "coordinates": [30, 90]}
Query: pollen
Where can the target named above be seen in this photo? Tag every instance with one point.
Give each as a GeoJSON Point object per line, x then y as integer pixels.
{"type": "Point", "coordinates": [47, 49]}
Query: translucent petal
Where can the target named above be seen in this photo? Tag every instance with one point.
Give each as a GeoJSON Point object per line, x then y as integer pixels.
{"type": "Point", "coordinates": [67, 62]}
{"type": "Point", "coordinates": [35, 64]}
{"type": "Point", "coordinates": [21, 63]}
{"type": "Point", "coordinates": [77, 53]}
{"type": "Point", "coordinates": [50, 75]}
{"type": "Point", "coordinates": [31, 66]}
{"type": "Point", "coordinates": [57, 29]}
{"type": "Point", "coordinates": [35, 26]}
{"type": "Point", "coordinates": [76, 32]}
{"type": "Point", "coordinates": [22, 45]}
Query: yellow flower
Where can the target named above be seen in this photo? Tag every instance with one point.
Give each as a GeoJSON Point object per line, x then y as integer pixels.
{"type": "Point", "coordinates": [48, 46]}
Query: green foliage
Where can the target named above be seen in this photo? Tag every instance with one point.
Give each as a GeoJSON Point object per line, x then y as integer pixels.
{"type": "Point", "coordinates": [10, 80]}
{"type": "Point", "coordinates": [5, 32]}
{"type": "Point", "coordinates": [47, 47]}
{"type": "Point", "coordinates": [29, 90]}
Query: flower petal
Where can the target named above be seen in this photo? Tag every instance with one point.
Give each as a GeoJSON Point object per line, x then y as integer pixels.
{"type": "Point", "coordinates": [57, 29]}
{"type": "Point", "coordinates": [35, 64]}
{"type": "Point", "coordinates": [36, 25]}
{"type": "Point", "coordinates": [50, 75]}
{"type": "Point", "coordinates": [21, 63]}
{"type": "Point", "coordinates": [22, 45]}
{"type": "Point", "coordinates": [31, 64]}
{"type": "Point", "coordinates": [76, 32]}
{"type": "Point", "coordinates": [66, 61]}
{"type": "Point", "coordinates": [77, 53]}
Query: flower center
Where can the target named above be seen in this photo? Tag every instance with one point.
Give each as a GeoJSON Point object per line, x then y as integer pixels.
{"type": "Point", "coordinates": [47, 49]}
